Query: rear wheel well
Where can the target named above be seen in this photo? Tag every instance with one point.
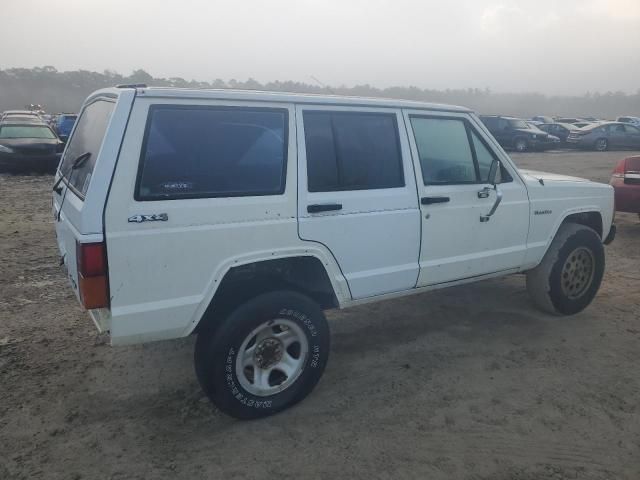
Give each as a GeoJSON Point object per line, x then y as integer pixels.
{"type": "Point", "coordinates": [305, 275]}
{"type": "Point", "coordinates": [592, 220]}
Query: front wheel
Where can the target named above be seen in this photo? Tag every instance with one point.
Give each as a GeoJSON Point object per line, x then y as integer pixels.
{"type": "Point", "coordinates": [267, 355]}
{"type": "Point", "coordinates": [521, 145]}
{"type": "Point", "coordinates": [568, 278]}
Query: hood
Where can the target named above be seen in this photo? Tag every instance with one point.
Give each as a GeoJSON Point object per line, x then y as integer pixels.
{"type": "Point", "coordinates": [555, 177]}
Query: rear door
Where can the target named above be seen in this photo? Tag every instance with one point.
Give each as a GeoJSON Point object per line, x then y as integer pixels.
{"type": "Point", "coordinates": [633, 136]}
{"type": "Point", "coordinates": [617, 135]}
{"type": "Point", "coordinates": [452, 158]}
{"type": "Point", "coordinates": [78, 201]}
{"type": "Point", "coordinates": [357, 195]}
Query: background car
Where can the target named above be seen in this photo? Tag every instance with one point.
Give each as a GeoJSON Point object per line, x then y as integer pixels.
{"type": "Point", "coordinates": [605, 136]}
{"type": "Point", "coordinates": [625, 180]}
{"type": "Point", "coordinates": [560, 130]}
{"type": "Point", "coordinates": [28, 147]}
{"type": "Point", "coordinates": [63, 125]}
{"type": "Point", "coordinates": [514, 133]}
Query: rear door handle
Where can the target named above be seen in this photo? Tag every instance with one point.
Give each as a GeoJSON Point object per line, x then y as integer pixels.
{"type": "Point", "coordinates": [430, 200]}
{"type": "Point", "coordinates": [327, 207]}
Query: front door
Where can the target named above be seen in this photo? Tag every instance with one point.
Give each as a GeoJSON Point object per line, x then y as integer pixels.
{"type": "Point", "coordinates": [453, 157]}
{"type": "Point", "coordinates": [357, 195]}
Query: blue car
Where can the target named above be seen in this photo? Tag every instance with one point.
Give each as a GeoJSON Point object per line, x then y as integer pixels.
{"type": "Point", "coordinates": [64, 124]}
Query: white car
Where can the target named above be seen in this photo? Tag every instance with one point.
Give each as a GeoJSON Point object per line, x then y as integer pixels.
{"type": "Point", "coordinates": [241, 216]}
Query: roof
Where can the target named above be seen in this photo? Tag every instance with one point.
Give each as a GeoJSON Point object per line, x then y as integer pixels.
{"type": "Point", "coordinates": [283, 97]}
{"type": "Point", "coordinates": [19, 112]}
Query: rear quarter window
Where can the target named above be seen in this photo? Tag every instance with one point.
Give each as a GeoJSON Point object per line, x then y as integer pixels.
{"type": "Point", "coordinates": [202, 152]}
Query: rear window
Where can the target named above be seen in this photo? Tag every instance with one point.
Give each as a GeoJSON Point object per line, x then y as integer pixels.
{"type": "Point", "coordinates": [87, 138]}
{"type": "Point", "coordinates": [26, 131]}
{"type": "Point", "coordinates": [201, 152]}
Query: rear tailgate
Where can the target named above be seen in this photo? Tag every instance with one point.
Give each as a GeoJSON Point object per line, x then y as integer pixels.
{"type": "Point", "coordinates": [80, 196]}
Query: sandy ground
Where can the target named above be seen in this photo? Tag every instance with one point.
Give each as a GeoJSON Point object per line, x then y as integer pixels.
{"type": "Point", "coordinates": [466, 383]}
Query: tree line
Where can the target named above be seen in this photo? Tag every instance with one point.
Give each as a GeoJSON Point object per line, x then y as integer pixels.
{"type": "Point", "coordinates": [65, 91]}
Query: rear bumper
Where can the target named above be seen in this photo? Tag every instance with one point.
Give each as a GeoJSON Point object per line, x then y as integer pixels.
{"type": "Point", "coordinates": [29, 163]}
{"type": "Point", "coordinates": [612, 234]}
{"type": "Point", "coordinates": [102, 319]}
{"type": "Point", "coordinates": [627, 196]}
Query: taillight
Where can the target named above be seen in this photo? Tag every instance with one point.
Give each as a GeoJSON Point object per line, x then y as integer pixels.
{"type": "Point", "coordinates": [629, 170]}
{"type": "Point", "coordinates": [93, 282]}
{"type": "Point", "coordinates": [618, 172]}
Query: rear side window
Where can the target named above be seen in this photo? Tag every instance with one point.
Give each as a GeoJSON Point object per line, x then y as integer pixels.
{"type": "Point", "coordinates": [87, 138]}
{"type": "Point", "coordinates": [352, 151]}
{"type": "Point", "coordinates": [200, 152]}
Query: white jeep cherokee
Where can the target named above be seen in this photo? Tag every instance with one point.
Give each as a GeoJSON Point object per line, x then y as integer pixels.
{"type": "Point", "coordinates": [241, 216]}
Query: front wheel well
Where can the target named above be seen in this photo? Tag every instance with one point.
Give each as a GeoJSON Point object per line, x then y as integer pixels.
{"type": "Point", "coordinates": [306, 275]}
{"type": "Point", "coordinates": [592, 220]}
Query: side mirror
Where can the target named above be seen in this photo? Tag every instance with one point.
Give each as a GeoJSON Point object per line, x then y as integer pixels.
{"type": "Point", "coordinates": [495, 173]}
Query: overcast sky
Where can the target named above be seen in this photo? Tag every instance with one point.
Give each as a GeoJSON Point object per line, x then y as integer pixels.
{"type": "Point", "coordinates": [550, 46]}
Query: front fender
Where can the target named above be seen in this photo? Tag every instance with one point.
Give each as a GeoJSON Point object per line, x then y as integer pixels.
{"type": "Point", "coordinates": [543, 230]}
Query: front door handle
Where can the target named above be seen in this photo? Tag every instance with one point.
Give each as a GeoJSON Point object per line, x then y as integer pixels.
{"type": "Point", "coordinates": [431, 200]}
{"type": "Point", "coordinates": [487, 217]}
{"type": "Point", "coordinates": [327, 207]}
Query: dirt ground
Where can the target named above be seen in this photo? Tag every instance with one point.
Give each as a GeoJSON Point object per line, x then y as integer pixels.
{"type": "Point", "coordinates": [466, 383]}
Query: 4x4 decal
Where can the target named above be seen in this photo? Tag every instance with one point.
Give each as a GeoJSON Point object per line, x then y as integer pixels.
{"type": "Point", "coordinates": [154, 217]}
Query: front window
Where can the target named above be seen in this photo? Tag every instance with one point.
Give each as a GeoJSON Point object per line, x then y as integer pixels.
{"type": "Point", "coordinates": [444, 150]}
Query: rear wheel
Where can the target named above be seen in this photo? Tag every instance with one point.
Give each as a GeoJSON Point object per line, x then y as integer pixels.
{"type": "Point", "coordinates": [568, 278]}
{"type": "Point", "coordinates": [602, 145]}
{"type": "Point", "coordinates": [267, 355]}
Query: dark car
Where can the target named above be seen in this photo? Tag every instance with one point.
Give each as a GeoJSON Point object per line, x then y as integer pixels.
{"type": "Point", "coordinates": [625, 181]}
{"type": "Point", "coordinates": [28, 147]}
{"type": "Point", "coordinates": [605, 136]}
{"type": "Point", "coordinates": [517, 134]}
{"type": "Point", "coordinates": [560, 130]}
{"type": "Point", "coordinates": [64, 124]}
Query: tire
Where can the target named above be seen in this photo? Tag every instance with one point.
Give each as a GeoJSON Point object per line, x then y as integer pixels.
{"type": "Point", "coordinates": [265, 356]}
{"type": "Point", "coordinates": [521, 145]}
{"type": "Point", "coordinates": [601, 145]}
{"type": "Point", "coordinates": [568, 278]}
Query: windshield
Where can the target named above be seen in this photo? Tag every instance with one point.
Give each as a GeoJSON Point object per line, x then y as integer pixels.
{"type": "Point", "coordinates": [87, 138]}
{"type": "Point", "coordinates": [26, 131]}
{"type": "Point", "coordinates": [519, 124]}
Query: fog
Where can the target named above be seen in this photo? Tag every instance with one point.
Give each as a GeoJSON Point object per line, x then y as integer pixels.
{"type": "Point", "coordinates": [548, 46]}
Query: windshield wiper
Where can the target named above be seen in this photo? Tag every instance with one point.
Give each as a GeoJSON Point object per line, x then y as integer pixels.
{"type": "Point", "coordinates": [77, 163]}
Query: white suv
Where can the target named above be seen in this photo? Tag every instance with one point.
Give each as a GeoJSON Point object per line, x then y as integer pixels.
{"type": "Point", "coordinates": [241, 216]}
